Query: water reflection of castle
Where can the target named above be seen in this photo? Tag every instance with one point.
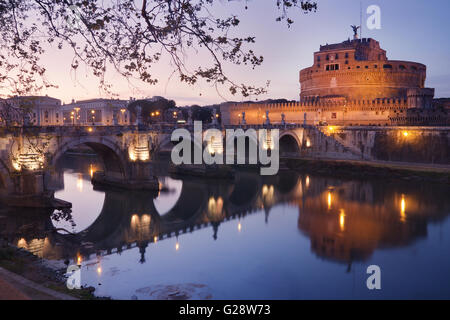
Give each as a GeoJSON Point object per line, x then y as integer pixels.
{"type": "Point", "coordinates": [346, 221]}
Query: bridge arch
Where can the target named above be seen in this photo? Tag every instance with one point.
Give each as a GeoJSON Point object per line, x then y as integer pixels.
{"type": "Point", "coordinates": [289, 143]}
{"type": "Point", "coordinates": [114, 158]}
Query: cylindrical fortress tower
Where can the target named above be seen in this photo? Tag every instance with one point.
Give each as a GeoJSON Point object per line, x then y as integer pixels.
{"type": "Point", "coordinates": [358, 70]}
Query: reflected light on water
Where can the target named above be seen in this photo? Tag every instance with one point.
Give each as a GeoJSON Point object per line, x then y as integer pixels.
{"type": "Point", "coordinates": [329, 200]}
{"type": "Point", "coordinates": [22, 243]}
{"type": "Point", "coordinates": [155, 239]}
{"type": "Point", "coordinates": [307, 181]}
{"type": "Point", "coordinates": [342, 219]}
{"type": "Point", "coordinates": [177, 246]}
{"type": "Point", "coordinates": [80, 182]}
{"type": "Point", "coordinates": [239, 227]}
{"type": "Point", "coordinates": [91, 171]}
{"type": "Point", "coordinates": [99, 270]}
{"type": "Point", "coordinates": [403, 209]}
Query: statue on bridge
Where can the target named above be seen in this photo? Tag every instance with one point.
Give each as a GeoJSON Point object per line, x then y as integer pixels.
{"type": "Point", "coordinates": [243, 118]}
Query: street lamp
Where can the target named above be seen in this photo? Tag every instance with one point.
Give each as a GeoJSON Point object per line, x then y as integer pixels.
{"type": "Point", "coordinates": [93, 117]}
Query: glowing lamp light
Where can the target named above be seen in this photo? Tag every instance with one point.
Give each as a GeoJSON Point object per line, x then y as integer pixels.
{"type": "Point", "coordinates": [307, 181]}
{"type": "Point", "coordinates": [79, 260]}
{"type": "Point", "coordinates": [308, 143]}
{"type": "Point", "coordinates": [90, 129]}
{"type": "Point", "coordinates": [405, 133]}
{"type": "Point", "coordinates": [155, 239]}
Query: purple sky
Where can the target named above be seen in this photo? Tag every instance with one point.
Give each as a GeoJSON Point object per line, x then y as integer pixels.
{"type": "Point", "coordinates": [410, 30]}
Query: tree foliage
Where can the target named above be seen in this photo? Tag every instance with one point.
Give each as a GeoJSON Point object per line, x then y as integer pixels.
{"type": "Point", "coordinates": [127, 36]}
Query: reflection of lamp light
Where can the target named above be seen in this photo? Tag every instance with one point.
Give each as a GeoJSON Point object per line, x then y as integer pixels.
{"type": "Point", "coordinates": [155, 239]}
{"type": "Point", "coordinates": [329, 200]}
{"type": "Point", "coordinates": [177, 245]}
{"type": "Point", "coordinates": [80, 182]}
{"type": "Point", "coordinates": [307, 181]}
{"type": "Point", "coordinates": [342, 219]}
{"type": "Point", "coordinates": [239, 226]}
{"type": "Point", "coordinates": [99, 270]}
{"type": "Point", "coordinates": [22, 243]}
{"type": "Point", "coordinates": [403, 209]}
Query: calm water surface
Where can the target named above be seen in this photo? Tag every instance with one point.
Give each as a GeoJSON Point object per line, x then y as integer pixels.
{"type": "Point", "coordinates": [294, 236]}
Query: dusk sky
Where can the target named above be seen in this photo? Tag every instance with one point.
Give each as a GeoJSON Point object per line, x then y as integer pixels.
{"type": "Point", "coordinates": [410, 30]}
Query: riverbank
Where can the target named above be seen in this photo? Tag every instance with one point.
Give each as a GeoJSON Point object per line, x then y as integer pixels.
{"type": "Point", "coordinates": [370, 169]}
{"type": "Point", "coordinates": [24, 276]}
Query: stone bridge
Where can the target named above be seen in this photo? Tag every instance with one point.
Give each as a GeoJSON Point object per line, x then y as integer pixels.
{"type": "Point", "coordinates": [29, 154]}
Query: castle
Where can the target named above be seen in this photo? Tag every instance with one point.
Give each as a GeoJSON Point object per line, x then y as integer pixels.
{"type": "Point", "coordinates": [352, 83]}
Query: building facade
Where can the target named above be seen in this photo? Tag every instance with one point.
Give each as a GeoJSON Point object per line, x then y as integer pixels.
{"type": "Point", "coordinates": [96, 112]}
{"type": "Point", "coordinates": [352, 83]}
{"type": "Point", "coordinates": [32, 110]}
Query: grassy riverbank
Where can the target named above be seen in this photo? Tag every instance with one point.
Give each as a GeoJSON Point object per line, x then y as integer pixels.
{"type": "Point", "coordinates": [38, 280]}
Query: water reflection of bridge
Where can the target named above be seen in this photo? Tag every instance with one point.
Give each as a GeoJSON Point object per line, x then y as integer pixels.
{"type": "Point", "coordinates": [345, 221]}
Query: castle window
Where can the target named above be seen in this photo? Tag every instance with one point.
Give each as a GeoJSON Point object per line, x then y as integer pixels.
{"type": "Point", "coordinates": [414, 68]}
{"type": "Point", "coordinates": [346, 61]}
{"type": "Point", "coordinates": [346, 55]}
{"type": "Point", "coordinates": [358, 67]}
{"type": "Point", "coordinates": [367, 67]}
{"type": "Point", "coordinates": [337, 56]}
{"type": "Point", "coordinates": [332, 67]}
{"type": "Point", "coordinates": [328, 57]}
{"type": "Point", "coordinates": [333, 115]}
{"type": "Point", "coordinates": [375, 66]}
{"type": "Point", "coordinates": [402, 67]}
{"type": "Point", "coordinates": [318, 58]}
{"type": "Point", "coordinates": [387, 66]}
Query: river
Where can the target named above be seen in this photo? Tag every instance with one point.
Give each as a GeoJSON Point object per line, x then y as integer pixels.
{"type": "Point", "coordinates": [291, 236]}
